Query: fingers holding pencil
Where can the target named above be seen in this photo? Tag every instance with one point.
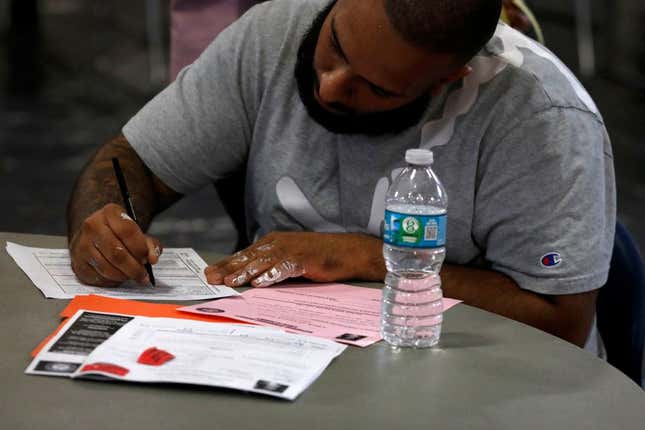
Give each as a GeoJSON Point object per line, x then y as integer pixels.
{"type": "Point", "coordinates": [110, 248]}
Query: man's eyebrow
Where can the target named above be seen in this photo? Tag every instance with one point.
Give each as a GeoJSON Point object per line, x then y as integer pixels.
{"type": "Point", "coordinates": [339, 47]}
{"type": "Point", "coordinates": [334, 37]}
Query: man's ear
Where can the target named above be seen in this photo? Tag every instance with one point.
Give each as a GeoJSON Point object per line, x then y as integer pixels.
{"type": "Point", "coordinates": [453, 77]}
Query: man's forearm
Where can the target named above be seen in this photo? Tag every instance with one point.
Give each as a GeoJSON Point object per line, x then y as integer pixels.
{"type": "Point", "coordinates": [97, 186]}
{"type": "Point", "coordinates": [568, 316]}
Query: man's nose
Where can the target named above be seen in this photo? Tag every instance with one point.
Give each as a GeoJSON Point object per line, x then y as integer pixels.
{"type": "Point", "coordinates": [336, 86]}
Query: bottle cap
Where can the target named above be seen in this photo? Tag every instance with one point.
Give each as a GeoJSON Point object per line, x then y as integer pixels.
{"type": "Point", "coordinates": [419, 157]}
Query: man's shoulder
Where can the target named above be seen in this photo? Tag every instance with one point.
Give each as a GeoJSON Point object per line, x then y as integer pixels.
{"type": "Point", "coordinates": [271, 30]}
{"type": "Point", "coordinates": [528, 72]}
{"type": "Point", "coordinates": [263, 40]}
{"type": "Point", "coordinates": [284, 16]}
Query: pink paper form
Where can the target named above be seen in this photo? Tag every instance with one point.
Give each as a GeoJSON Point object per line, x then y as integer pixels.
{"type": "Point", "coordinates": [339, 312]}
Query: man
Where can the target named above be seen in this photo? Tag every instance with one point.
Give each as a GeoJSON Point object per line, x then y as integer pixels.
{"type": "Point", "coordinates": [320, 100]}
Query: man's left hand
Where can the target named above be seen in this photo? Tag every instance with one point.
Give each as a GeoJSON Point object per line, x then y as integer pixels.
{"type": "Point", "coordinates": [320, 257]}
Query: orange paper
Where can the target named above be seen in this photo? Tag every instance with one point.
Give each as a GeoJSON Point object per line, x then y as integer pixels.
{"type": "Point", "coordinates": [132, 307]}
{"type": "Point", "coordinates": [127, 307]}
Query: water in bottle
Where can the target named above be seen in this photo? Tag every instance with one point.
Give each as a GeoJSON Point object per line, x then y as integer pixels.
{"type": "Point", "coordinates": [414, 240]}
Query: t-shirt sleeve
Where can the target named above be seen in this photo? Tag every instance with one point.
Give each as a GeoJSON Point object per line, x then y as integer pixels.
{"type": "Point", "coordinates": [545, 202]}
{"type": "Point", "coordinates": [198, 129]}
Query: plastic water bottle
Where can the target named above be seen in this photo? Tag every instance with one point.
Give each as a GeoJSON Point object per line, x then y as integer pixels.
{"type": "Point", "coordinates": [414, 239]}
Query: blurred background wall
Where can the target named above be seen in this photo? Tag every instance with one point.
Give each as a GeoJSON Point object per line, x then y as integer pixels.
{"type": "Point", "coordinates": [73, 71]}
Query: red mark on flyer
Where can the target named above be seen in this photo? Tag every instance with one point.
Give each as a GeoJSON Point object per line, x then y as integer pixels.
{"type": "Point", "coordinates": [105, 368]}
{"type": "Point", "coordinates": [154, 357]}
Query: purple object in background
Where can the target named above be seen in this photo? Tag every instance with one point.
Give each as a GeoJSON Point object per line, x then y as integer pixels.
{"type": "Point", "coordinates": [195, 23]}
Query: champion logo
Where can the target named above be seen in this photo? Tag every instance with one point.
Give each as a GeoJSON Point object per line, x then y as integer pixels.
{"type": "Point", "coordinates": [551, 259]}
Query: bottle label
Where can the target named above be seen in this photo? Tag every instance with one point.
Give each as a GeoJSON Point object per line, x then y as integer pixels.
{"type": "Point", "coordinates": [414, 231]}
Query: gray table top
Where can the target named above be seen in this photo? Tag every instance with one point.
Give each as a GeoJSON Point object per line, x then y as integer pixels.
{"type": "Point", "coordinates": [488, 373]}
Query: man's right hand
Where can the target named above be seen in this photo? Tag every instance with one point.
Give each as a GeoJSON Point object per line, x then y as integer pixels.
{"type": "Point", "coordinates": [110, 248]}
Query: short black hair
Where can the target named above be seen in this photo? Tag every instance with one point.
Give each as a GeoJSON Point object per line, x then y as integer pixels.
{"type": "Point", "coordinates": [460, 27]}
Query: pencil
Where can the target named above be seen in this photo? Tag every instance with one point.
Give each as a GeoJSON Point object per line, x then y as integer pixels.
{"type": "Point", "coordinates": [125, 194]}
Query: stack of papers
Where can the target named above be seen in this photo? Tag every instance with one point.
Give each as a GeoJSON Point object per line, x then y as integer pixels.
{"type": "Point", "coordinates": [144, 349]}
{"type": "Point", "coordinates": [295, 333]}
{"type": "Point", "coordinates": [179, 275]}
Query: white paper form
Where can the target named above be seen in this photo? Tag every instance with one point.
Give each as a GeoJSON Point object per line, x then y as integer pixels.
{"type": "Point", "coordinates": [65, 352]}
{"type": "Point", "coordinates": [179, 275]}
{"type": "Point", "coordinates": [76, 339]}
{"type": "Point", "coordinates": [249, 358]}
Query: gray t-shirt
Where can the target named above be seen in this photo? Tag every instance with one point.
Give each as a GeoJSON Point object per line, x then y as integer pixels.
{"type": "Point", "coordinates": [519, 146]}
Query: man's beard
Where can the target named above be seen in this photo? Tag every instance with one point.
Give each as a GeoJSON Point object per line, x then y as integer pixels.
{"type": "Point", "coordinates": [371, 124]}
